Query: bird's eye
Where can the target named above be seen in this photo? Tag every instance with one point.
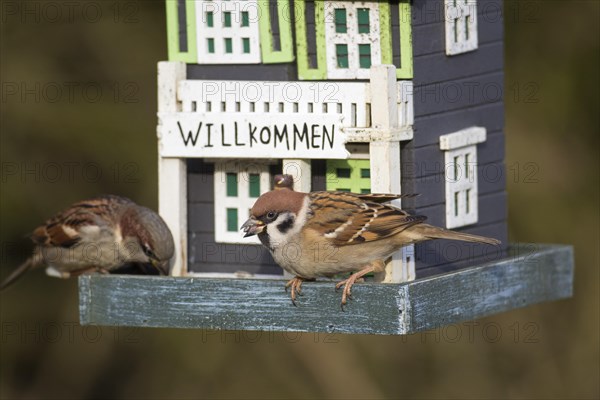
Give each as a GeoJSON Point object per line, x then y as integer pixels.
{"type": "Point", "coordinates": [271, 215]}
{"type": "Point", "coordinates": [148, 251]}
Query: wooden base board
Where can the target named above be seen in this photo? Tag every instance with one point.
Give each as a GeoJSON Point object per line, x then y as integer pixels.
{"type": "Point", "coordinates": [532, 273]}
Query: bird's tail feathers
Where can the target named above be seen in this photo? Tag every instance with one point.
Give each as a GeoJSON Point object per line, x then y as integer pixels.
{"type": "Point", "coordinates": [433, 232]}
{"type": "Point", "coordinates": [18, 272]}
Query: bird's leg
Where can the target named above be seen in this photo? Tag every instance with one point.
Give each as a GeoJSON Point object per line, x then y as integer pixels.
{"type": "Point", "coordinates": [375, 266]}
{"type": "Point", "coordinates": [296, 287]}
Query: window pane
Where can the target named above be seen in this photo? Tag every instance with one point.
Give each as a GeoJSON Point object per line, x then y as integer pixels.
{"type": "Point", "coordinates": [227, 19]}
{"type": "Point", "coordinates": [232, 219]}
{"type": "Point", "coordinates": [209, 19]}
{"type": "Point", "coordinates": [341, 51]}
{"type": "Point", "coordinates": [232, 185]}
{"type": "Point", "coordinates": [246, 45]}
{"type": "Point", "coordinates": [365, 191]}
{"type": "Point", "coordinates": [254, 185]}
{"type": "Point", "coordinates": [364, 51]}
{"type": "Point", "coordinates": [210, 43]}
{"type": "Point", "coordinates": [245, 18]}
{"type": "Point", "coordinates": [340, 20]}
{"type": "Point", "coordinates": [342, 190]}
{"type": "Point", "coordinates": [365, 173]}
{"type": "Point", "coordinates": [343, 172]}
{"type": "Point", "coordinates": [363, 20]}
{"type": "Point", "coordinates": [228, 46]}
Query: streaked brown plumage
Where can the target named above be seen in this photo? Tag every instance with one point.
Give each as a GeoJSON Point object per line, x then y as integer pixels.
{"type": "Point", "coordinates": [99, 234]}
{"type": "Point", "coordinates": [338, 232]}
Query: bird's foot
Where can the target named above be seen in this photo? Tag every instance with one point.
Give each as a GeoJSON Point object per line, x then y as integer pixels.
{"type": "Point", "coordinates": [295, 285]}
{"type": "Point", "coordinates": [350, 281]}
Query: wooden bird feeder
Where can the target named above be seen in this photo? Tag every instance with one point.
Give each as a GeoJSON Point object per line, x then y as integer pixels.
{"type": "Point", "coordinates": [369, 96]}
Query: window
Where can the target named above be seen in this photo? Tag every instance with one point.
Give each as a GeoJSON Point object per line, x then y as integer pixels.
{"type": "Point", "coordinates": [352, 33]}
{"type": "Point", "coordinates": [349, 176]}
{"type": "Point", "coordinates": [245, 18]}
{"type": "Point", "coordinates": [237, 186]}
{"type": "Point", "coordinates": [461, 175]}
{"type": "Point", "coordinates": [461, 26]}
{"type": "Point", "coordinates": [341, 52]}
{"type": "Point", "coordinates": [340, 20]}
{"type": "Point", "coordinates": [236, 39]}
{"type": "Point", "coordinates": [363, 20]}
{"type": "Point", "coordinates": [364, 50]}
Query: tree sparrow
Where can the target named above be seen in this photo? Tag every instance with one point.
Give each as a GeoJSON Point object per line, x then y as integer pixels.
{"type": "Point", "coordinates": [100, 234]}
{"type": "Point", "coordinates": [321, 234]}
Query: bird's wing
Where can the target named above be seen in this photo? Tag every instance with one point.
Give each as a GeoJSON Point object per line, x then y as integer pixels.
{"type": "Point", "coordinates": [87, 217]}
{"type": "Point", "coordinates": [346, 219]}
{"type": "Point", "coordinates": [383, 197]}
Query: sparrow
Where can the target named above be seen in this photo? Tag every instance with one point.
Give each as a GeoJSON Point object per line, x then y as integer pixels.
{"type": "Point", "coordinates": [283, 181]}
{"type": "Point", "coordinates": [322, 234]}
{"type": "Point", "coordinates": [99, 235]}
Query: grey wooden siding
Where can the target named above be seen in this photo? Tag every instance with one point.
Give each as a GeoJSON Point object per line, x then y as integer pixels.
{"type": "Point", "coordinates": [453, 93]}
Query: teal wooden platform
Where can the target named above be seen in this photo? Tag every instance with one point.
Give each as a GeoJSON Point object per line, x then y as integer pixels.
{"type": "Point", "coordinates": [530, 274]}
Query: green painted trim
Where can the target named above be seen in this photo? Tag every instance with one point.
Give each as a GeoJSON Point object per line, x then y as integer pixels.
{"type": "Point", "coordinates": [286, 54]}
{"type": "Point", "coordinates": [385, 33]}
{"type": "Point", "coordinates": [304, 71]}
{"type": "Point", "coordinates": [232, 220]}
{"type": "Point", "coordinates": [356, 183]}
{"type": "Point", "coordinates": [406, 52]}
{"type": "Point", "coordinates": [191, 55]}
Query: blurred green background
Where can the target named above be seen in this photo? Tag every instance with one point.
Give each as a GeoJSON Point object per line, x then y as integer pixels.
{"type": "Point", "coordinates": [78, 119]}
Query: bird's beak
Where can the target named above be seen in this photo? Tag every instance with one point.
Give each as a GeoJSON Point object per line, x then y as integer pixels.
{"type": "Point", "coordinates": [252, 227]}
{"type": "Point", "coordinates": [161, 266]}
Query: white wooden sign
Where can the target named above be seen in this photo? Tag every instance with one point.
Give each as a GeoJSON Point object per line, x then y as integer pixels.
{"type": "Point", "coordinates": [251, 135]}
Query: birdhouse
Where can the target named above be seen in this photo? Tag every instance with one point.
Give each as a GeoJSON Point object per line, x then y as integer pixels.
{"type": "Point", "coordinates": [361, 96]}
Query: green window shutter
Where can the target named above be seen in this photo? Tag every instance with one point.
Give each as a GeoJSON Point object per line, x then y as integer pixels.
{"type": "Point", "coordinates": [254, 187]}
{"type": "Point", "coordinates": [405, 69]}
{"type": "Point", "coordinates": [228, 45]}
{"type": "Point", "coordinates": [227, 19]}
{"type": "Point", "coordinates": [173, 30]}
{"type": "Point", "coordinates": [210, 22]}
{"type": "Point", "coordinates": [363, 20]}
{"type": "Point", "coordinates": [340, 20]}
{"type": "Point", "coordinates": [305, 70]}
{"type": "Point", "coordinates": [245, 18]}
{"type": "Point", "coordinates": [246, 45]}
{"type": "Point", "coordinates": [232, 184]}
{"type": "Point", "coordinates": [210, 43]}
{"type": "Point", "coordinates": [232, 219]}
{"type": "Point", "coordinates": [286, 45]}
{"type": "Point", "coordinates": [348, 176]}
{"type": "Point", "coordinates": [341, 52]}
{"type": "Point", "coordinates": [364, 51]}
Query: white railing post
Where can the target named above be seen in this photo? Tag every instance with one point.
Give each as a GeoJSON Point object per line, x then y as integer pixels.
{"type": "Point", "coordinates": [172, 172]}
{"type": "Point", "coordinates": [384, 151]}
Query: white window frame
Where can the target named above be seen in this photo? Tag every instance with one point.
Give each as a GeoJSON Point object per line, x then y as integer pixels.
{"type": "Point", "coordinates": [460, 156]}
{"type": "Point", "coordinates": [351, 38]}
{"type": "Point", "coordinates": [461, 20]}
{"type": "Point", "coordinates": [236, 32]}
{"type": "Point", "coordinates": [243, 202]}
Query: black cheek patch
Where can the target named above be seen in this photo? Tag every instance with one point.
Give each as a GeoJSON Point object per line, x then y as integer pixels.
{"type": "Point", "coordinates": [286, 225]}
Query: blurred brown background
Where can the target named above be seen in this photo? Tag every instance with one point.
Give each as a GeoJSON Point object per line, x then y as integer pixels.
{"type": "Point", "coordinates": [78, 119]}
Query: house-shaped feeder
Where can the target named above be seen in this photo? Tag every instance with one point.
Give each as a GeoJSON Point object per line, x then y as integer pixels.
{"type": "Point", "coordinates": [379, 96]}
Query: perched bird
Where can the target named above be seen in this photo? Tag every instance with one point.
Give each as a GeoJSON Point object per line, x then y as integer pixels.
{"type": "Point", "coordinates": [99, 234]}
{"type": "Point", "coordinates": [322, 234]}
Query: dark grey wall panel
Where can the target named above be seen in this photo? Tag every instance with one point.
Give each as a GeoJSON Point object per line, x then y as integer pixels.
{"type": "Point", "coordinates": [243, 72]}
{"type": "Point", "coordinates": [454, 254]}
{"type": "Point", "coordinates": [429, 159]}
{"type": "Point", "coordinates": [431, 189]}
{"type": "Point", "coordinates": [203, 216]}
{"type": "Point", "coordinates": [455, 95]}
{"type": "Point", "coordinates": [440, 68]}
{"type": "Point", "coordinates": [428, 129]}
